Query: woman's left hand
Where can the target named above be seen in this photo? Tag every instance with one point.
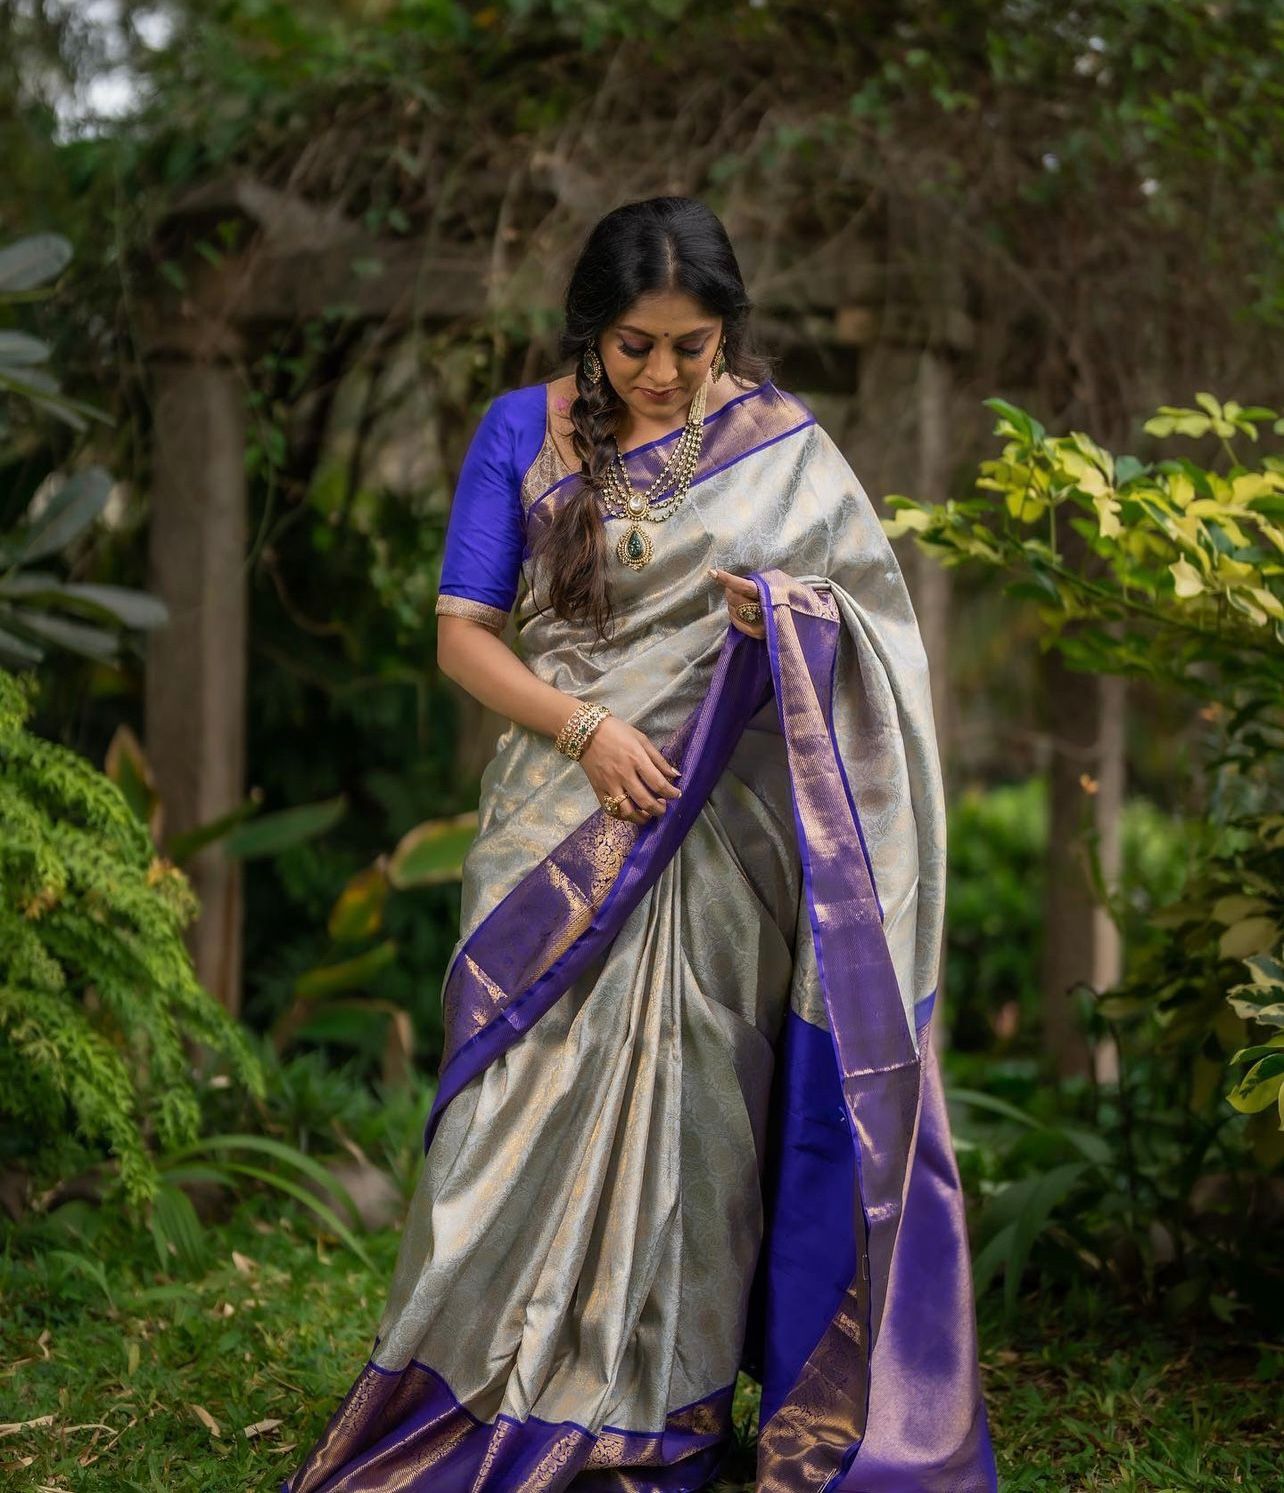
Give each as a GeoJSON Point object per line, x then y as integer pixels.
{"type": "Point", "coordinates": [739, 589]}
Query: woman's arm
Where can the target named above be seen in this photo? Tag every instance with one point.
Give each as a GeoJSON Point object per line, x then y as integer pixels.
{"type": "Point", "coordinates": [618, 756]}
{"type": "Point", "coordinates": [479, 661]}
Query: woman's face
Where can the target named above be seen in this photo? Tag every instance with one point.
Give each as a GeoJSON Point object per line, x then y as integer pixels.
{"type": "Point", "coordinates": [664, 342]}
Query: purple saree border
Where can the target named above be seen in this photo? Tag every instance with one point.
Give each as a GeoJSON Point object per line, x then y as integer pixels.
{"type": "Point", "coordinates": [713, 1396]}
{"type": "Point", "coordinates": [723, 438]}
{"type": "Point", "coordinates": [709, 420]}
{"type": "Point", "coordinates": [847, 790]}
{"type": "Point", "coordinates": [407, 1428]}
{"type": "Point", "coordinates": [877, 1102]}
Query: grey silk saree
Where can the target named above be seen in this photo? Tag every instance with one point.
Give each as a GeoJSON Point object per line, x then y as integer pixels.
{"type": "Point", "coordinates": [690, 1119]}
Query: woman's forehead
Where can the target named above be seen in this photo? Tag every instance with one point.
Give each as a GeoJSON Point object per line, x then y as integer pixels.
{"type": "Point", "coordinates": [666, 315]}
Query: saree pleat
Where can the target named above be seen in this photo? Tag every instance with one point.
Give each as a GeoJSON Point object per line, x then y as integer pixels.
{"type": "Point", "coordinates": [689, 1118]}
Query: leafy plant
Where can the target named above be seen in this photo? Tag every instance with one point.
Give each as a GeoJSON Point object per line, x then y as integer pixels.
{"type": "Point", "coordinates": [1179, 579]}
{"type": "Point", "coordinates": [331, 1000]}
{"type": "Point", "coordinates": [222, 1160]}
{"type": "Point", "coordinates": [1116, 1183]}
{"type": "Point", "coordinates": [97, 991]}
{"type": "Point", "coordinates": [39, 609]}
{"type": "Point", "coordinates": [98, 997]}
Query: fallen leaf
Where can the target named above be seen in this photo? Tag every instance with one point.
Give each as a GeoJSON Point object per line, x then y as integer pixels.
{"type": "Point", "coordinates": [260, 1428]}
{"type": "Point", "coordinates": [243, 1262]}
{"type": "Point", "coordinates": [224, 1309]}
{"type": "Point", "coordinates": [206, 1419]}
{"type": "Point", "coordinates": [10, 1427]}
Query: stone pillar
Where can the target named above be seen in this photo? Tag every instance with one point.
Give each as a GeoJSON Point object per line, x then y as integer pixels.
{"type": "Point", "coordinates": [196, 667]}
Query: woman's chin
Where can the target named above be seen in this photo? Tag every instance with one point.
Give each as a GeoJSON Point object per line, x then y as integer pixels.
{"type": "Point", "coordinates": [644, 405]}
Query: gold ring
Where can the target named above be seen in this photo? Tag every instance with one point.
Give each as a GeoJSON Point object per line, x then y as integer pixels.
{"type": "Point", "coordinates": [749, 611]}
{"type": "Point", "coordinates": [612, 804]}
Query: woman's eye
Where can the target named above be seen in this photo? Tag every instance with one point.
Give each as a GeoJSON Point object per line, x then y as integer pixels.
{"type": "Point", "coordinates": [641, 352]}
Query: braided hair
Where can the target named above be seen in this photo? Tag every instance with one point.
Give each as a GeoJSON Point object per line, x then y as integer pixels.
{"type": "Point", "coordinates": [657, 245]}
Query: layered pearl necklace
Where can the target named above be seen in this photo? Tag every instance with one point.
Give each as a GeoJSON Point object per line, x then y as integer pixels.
{"type": "Point", "coordinates": [622, 500]}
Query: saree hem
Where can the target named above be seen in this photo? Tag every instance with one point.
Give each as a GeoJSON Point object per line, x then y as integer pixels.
{"type": "Point", "coordinates": [407, 1428]}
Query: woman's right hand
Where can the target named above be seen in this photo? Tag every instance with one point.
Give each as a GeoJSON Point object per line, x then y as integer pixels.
{"type": "Point", "coordinates": [620, 757]}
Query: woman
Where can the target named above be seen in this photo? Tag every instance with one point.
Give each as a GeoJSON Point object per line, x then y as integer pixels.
{"type": "Point", "coordinates": [689, 1119]}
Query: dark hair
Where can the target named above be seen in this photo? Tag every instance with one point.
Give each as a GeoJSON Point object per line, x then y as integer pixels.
{"type": "Point", "coordinates": [660, 244]}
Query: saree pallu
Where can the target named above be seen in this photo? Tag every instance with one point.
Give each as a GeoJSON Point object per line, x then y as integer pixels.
{"type": "Point", "coordinates": [690, 1119]}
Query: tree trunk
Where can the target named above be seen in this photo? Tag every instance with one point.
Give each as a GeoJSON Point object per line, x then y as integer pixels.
{"type": "Point", "coordinates": [903, 444]}
{"type": "Point", "coordinates": [1085, 719]}
{"type": "Point", "coordinates": [196, 666]}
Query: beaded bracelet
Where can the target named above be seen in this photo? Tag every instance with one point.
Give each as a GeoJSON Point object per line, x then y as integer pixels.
{"type": "Point", "coordinates": [574, 735]}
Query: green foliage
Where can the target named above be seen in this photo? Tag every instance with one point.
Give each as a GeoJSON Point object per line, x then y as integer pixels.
{"type": "Point", "coordinates": [1227, 923]}
{"type": "Point", "coordinates": [97, 992]}
{"type": "Point", "coordinates": [38, 609]}
{"type": "Point", "coordinates": [332, 1000]}
{"type": "Point", "coordinates": [995, 913]}
{"type": "Point", "coordinates": [1146, 1187]}
{"type": "Point", "coordinates": [325, 1109]}
{"type": "Point", "coordinates": [1179, 579]}
{"type": "Point", "coordinates": [221, 1159]}
{"type": "Point", "coordinates": [1190, 559]}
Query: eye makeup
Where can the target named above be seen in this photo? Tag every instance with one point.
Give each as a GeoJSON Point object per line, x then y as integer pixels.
{"type": "Point", "coordinates": [641, 352]}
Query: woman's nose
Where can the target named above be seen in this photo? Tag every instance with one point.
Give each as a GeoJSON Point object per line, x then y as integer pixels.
{"type": "Point", "coordinates": [663, 368]}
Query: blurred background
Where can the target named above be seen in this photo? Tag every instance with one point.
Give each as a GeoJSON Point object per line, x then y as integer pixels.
{"type": "Point", "coordinates": [262, 267]}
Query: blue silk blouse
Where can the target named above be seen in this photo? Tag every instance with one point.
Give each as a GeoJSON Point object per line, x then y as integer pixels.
{"type": "Point", "coordinates": [485, 532]}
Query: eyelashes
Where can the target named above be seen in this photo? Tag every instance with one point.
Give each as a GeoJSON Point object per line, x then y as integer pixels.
{"type": "Point", "coordinates": [641, 352]}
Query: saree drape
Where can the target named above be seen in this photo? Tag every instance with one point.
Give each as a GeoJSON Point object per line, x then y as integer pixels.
{"type": "Point", "coordinates": [690, 1119]}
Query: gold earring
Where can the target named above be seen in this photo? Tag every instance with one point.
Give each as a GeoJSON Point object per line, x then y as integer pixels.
{"type": "Point", "coordinates": [719, 363]}
{"type": "Point", "coordinates": [592, 365]}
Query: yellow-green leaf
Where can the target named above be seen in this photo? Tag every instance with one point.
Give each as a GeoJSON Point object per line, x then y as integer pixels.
{"type": "Point", "coordinates": [1250, 936]}
{"type": "Point", "coordinates": [358, 910]}
{"type": "Point", "coordinates": [1236, 907]}
{"type": "Point", "coordinates": [1107, 516]}
{"type": "Point", "coordinates": [1186, 579]}
{"type": "Point", "coordinates": [432, 852]}
{"type": "Point", "coordinates": [348, 974]}
{"type": "Point", "coordinates": [906, 520]}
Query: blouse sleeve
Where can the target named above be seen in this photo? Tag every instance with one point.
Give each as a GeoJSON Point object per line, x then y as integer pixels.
{"type": "Point", "coordinates": [484, 534]}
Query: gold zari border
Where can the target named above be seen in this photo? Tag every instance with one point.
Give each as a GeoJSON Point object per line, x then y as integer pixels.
{"type": "Point", "coordinates": [490, 617]}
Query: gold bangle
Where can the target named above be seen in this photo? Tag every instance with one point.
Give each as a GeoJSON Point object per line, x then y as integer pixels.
{"type": "Point", "coordinates": [583, 721]}
{"type": "Point", "coordinates": [575, 734]}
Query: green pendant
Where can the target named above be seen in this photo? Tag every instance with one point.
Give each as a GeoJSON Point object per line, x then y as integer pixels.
{"type": "Point", "coordinates": [634, 548]}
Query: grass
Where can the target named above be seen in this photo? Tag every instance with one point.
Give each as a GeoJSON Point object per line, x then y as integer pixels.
{"type": "Point", "coordinates": [1087, 1394]}
{"type": "Point", "coordinates": [114, 1375]}
{"type": "Point", "coordinates": [127, 1378]}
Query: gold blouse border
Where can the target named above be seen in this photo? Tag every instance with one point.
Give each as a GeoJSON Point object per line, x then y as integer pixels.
{"type": "Point", "coordinates": [490, 617]}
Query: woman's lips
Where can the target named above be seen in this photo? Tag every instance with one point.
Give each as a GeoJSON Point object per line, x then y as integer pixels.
{"type": "Point", "coordinates": [660, 393]}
